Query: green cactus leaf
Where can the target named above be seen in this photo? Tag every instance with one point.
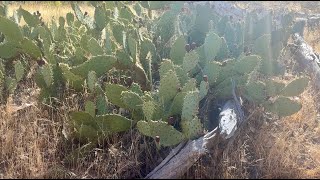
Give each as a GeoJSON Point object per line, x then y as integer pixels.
{"type": "Point", "coordinates": [74, 80]}
{"type": "Point", "coordinates": [262, 47]}
{"type": "Point", "coordinates": [212, 46]}
{"type": "Point", "coordinates": [247, 64]}
{"type": "Point", "coordinates": [101, 105]}
{"type": "Point", "coordinates": [29, 47]}
{"type": "Point", "coordinates": [86, 132]}
{"type": "Point", "coordinates": [132, 100]}
{"type": "Point", "coordinates": [255, 92]}
{"type": "Point", "coordinates": [224, 89]}
{"type": "Point", "coordinates": [99, 64]}
{"type": "Point", "coordinates": [192, 128]}
{"type": "Point", "coordinates": [8, 50]}
{"type": "Point", "coordinates": [190, 106]}
{"type": "Point", "coordinates": [117, 31]}
{"type": "Point", "coordinates": [135, 87]}
{"type": "Point", "coordinates": [177, 104]}
{"type": "Point", "coordinates": [70, 18]}
{"type": "Point", "coordinates": [212, 70]}
{"type": "Point", "coordinates": [31, 20]}
{"type": "Point", "coordinates": [124, 58]}
{"type": "Point", "coordinates": [61, 22]}
{"type": "Point", "coordinates": [11, 84]}
{"type": "Point", "coordinates": [165, 67]}
{"type": "Point", "coordinates": [90, 108]}
{"type": "Point", "coordinates": [47, 74]}
{"type": "Point", "coordinates": [226, 71]}
{"type": "Point", "coordinates": [169, 136]}
{"type": "Point", "coordinates": [273, 88]}
{"type": "Point", "coordinates": [295, 87]}
{"type": "Point", "coordinates": [283, 106]}
{"type": "Point", "coordinates": [113, 92]}
{"type": "Point", "coordinates": [204, 88]}
{"type": "Point", "coordinates": [178, 51]}
{"type": "Point", "coordinates": [100, 18]}
{"type": "Point", "coordinates": [191, 85]}
{"type": "Point", "coordinates": [83, 118]}
{"type": "Point", "coordinates": [182, 75]}
{"type": "Point", "coordinates": [94, 48]}
{"type": "Point", "coordinates": [92, 79]}
{"type": "Point", "coordinates": [169, 85]}
{"type": "Point", "coordinates": [224, 51]}
{"type": "Point", "coordinates": [146, 47]}
{"type": "Point", "coordinates": [10, 30]}
{"type": "Point", "coordinates": [148, 108]}
{"type": "Point", "coordinates": [113, 123]}
{"type": "Point", "coordinates": [132, 44]}
{"type": "Point", "coordinates": [190, 61]}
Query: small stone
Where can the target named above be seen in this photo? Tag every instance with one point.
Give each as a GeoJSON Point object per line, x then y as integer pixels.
{"type": "Point", "coordinates": [205, 78]}
{"type": "Point", "coordinates": [187, 47]}
{"type": "Point", "coordinates": [157, 139]}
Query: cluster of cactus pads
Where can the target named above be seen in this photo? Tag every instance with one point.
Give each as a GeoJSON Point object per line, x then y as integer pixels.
{"type": "Point", "coordinates": [113, 56]}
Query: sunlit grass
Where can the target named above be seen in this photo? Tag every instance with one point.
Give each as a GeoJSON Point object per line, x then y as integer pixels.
{"type": "Point", "coordinates": [49, 10]}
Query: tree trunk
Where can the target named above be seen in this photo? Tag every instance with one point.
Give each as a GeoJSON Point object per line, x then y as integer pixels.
{"type": "Point", "coordinates": [306, 57]}
{"type": "Point", "coordinates": [186, 154]}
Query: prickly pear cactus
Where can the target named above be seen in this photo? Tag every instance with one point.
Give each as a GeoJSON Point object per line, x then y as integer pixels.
{"type": "Point", "coordinates": [92, 79]}
{"type": "Point", "coordinates": [295, 87]}
{"type": "Point", "coordinates": [178, 51]}
{"type": "Point", "coordinates": [19, 70]}
{"type": "Point", "coordinates": [132, 100]}
{"type": "Point", "coordinates": [168, 135]}
{"type": "Point", "coordinates": [283, 106]}
{"type": "Point", "coordinates": [169, 85]}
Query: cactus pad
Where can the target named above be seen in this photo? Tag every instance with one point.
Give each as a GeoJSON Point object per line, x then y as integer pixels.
{"type": "Point", "coordinates": [283, 106]}
{"type": "Point", "coordinates": [113, 92]}
{"type": "Point", "coordinates": [47, 74]}
{"type": "Point", "coordinates": [246, 64]}
{"type": "Point", "coordinates": [190, 106]}
{"type": "Point", "coordinates": [212, 46]}
{"type": "Point", "coordinates": [91, 81]}
{"type": "Point", "coordinates": [99, 64]}
{"type": "Point", "coordinates": [295, 87]}
{"type": "Point", "coordinates": [19, 70]}
{"type": "Point", "coordinates": [178, 51]}
{"type": "Point", "coordinates": [204, 87]}
{"type": "Point", "coordinates": [169, 85]}
{"type": "Point", "coordinates": [113, 123]}
{"type": "Point", "coordinates": [166, 66]}
{"type": "Point", "coordinates": [273, 88]}
{"type": "Point", "coordinates": [190, 61]}
{"type": "Point", "coordinates": [10, 30]}
{"type": "Point", "coordinates": [132, 100]}
{"type": "Point", "coordinates": [255, 92]}
{"type": "Point", "coordinates": [94, 48]}
{"type": "Point", "coordinates": [169, 136]}
{"type": "Point", "coordinates": [212, 70]}
{"type": "Point", "coordinates": [192, 129]}
{"type": "Point", "coordinates": [148, 109]}
{"type": "Point", "coordinates": [90, 108]}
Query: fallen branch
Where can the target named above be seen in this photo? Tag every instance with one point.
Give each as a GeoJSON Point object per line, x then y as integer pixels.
{"type": "Point", "coordinates": [186, 154]}
{"type": "Point", "coordinates": [306, 57]}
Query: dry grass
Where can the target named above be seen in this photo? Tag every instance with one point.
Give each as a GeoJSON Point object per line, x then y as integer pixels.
{"type": "Point", "coordinates": [33, 142]}
{"type": "Point", "coordinates": [49, 11]}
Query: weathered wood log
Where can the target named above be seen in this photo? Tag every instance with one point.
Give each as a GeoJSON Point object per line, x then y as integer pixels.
{"type": "Point", "coordinates": [306, 57]}
{"type": "Point", "coordinates": [186, 154]}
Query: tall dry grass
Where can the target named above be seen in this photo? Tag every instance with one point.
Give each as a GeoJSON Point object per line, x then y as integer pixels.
{"type": "Point", "coordinates": [49, 10]}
